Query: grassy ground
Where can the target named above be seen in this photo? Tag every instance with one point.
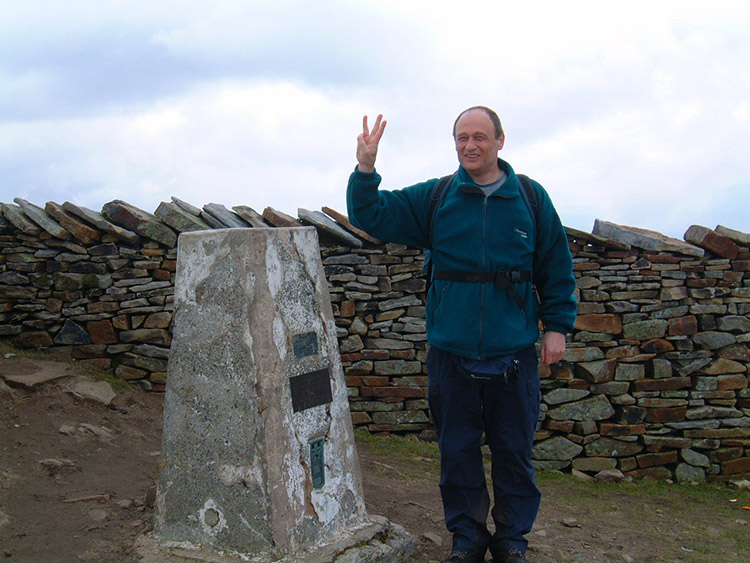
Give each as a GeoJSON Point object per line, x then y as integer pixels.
{"type": "Point", "coordinates": [642, 520]}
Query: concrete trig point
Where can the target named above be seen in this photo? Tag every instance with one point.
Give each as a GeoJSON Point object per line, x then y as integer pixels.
{"type": "Point", "coordinates": [258, 456]}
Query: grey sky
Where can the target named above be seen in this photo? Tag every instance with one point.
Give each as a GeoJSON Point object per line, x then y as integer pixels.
{"type": "Point", "coordinates": [637, 114]}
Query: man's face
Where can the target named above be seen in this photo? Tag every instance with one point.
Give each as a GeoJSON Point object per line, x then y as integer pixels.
{"type": "Point", "coordinates": [477, 146]}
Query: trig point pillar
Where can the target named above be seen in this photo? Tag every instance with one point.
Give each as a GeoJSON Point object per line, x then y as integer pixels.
{"type": "Point", "coordinates": [258, 456]}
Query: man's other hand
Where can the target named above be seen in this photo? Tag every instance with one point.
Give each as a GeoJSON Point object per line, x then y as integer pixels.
{"type": "Point", "coordinates": [553, 347]}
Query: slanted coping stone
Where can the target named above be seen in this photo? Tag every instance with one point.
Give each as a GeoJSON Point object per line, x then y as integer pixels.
{"type": "Point", "coordinates": [258, 455]}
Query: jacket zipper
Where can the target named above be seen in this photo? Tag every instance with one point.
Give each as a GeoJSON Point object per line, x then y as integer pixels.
{"type": "Point", "coordinates": [484, 263]}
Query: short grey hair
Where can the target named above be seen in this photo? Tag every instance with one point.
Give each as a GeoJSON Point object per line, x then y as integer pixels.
{"type": "Point", "coordinates": [492, 115]}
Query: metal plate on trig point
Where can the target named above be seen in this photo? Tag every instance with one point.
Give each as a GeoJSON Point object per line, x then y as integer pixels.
{"type": "Point", "coordinates": [311, 389]}
{"type": "Point", "coordinates": [305, 344]}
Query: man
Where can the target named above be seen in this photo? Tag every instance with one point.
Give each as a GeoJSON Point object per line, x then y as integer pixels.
{"type": "Point", "coordinates": [489, 252]}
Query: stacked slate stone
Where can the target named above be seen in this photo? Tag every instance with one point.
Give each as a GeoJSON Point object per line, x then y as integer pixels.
{"type": "Point", "coordinates": [655, 382]}
{"type": "Point", "coordinates": [99, 283]}
{"type": "Point", "coordinates": [377, 295]}
{"type": "Point", "coordinates": [102, 283]}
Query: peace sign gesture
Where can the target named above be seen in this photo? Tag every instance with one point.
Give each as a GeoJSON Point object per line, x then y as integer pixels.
{"type": "Point", "coordinates": [367, 144]}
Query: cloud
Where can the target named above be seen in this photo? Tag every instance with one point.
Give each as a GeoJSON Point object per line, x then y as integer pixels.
{"type": "Point", "coordinates": [636, 114]}
{"type": "Point", "coordinates": [58, 66]}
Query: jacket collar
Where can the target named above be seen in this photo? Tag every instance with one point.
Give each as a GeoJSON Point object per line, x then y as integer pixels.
{"type": "Point", "coordinates": [510, 187]}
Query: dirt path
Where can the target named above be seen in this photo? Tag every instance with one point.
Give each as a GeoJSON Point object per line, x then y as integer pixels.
{"type": "Point", "coordinates": [77, 483]}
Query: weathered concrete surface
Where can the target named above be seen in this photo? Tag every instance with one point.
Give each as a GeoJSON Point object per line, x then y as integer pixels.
{"type": "Point", "coordinates": [252, 312]}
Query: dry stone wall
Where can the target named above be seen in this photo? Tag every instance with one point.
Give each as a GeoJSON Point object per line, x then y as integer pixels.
{"type": "Point", "coordinates": [655, 381]}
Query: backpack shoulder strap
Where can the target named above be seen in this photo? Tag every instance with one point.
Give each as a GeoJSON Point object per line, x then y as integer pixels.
{"type": "Point", "coordinates": [438, 190]}
{"type": "Point", "coordinates": [529, 197]}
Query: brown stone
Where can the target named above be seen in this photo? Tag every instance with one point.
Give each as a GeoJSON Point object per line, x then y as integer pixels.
{"type": "Point", "coordinates": [740, 465]}
{"type": "Point", "coordinates": [147, 336]}
{"type": "Point", "coordinates": [609, 429]}
{"type": "Point", "coordinates": [401, 392]}
{"type": "Point", "coordinates": [139, 221]}
{"type": "Point", "coordinates": [353, 380]}
{"type": "Point", "coordinates": [666, 414]}
{"type": "Point", "coordinates": [348, 308]}
{"type": "Point", "coordinates": [657, 346]}
{"type": "Point", "coordinates": [657, 473]}
{"type": "Point", "coordinates": [605, 323]}
{"type": "Point", "coordinates": [89, 351]}
{"type": "Point", "coordinates": [279, 219]}
{"type": "Point", "coordinates": [121, 322]}
{"type": "Point", "coordinates": [597, 371]}
{"type": "Point", "coordinates": [78, 229]}
{"type": "Point", "coordinates": [97, 219]}
{"type": "Point", "coordinates": [726, 454]}
{"type": "Point", "coordinates": [38, 339]}
{"type": "Point", "coordinates": [657, 458]}
{"type": "Point", "coordinates": [730, 382]}
{"type": "Point", "coordinates": [102, 332]}
{"type": "Point", "coordinates": [130, 373]}
{"type": "Point", "coordinates": [559, 425]}
{"type": "Point", "coordinates": [375, 381]}
{"type": "Point", "coordinates": [158, 320]}
{"type": "Point", "coordinates": [683, 326]}
{"type": "Point", "coordinates": [162, 275]}
{"type": "Point", "coordinates": [561, 370]}
{"type": "Point", "coordinates": [375, 354]}
{"type": "Point", "coordinates": [344, 222]}
{"type": "Point", "coordinates": [712, 241]}
{"type": "Point", "coordinates": [670, 384]}
{"type": "Point", "coordinates": [627, 464]}
{"type": "Point", "coordinates": [360, 417]}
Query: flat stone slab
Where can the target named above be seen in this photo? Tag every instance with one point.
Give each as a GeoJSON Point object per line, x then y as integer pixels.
{"type": "Point", "coordinates": [189, 207]}
{"type": "Point", "coordinates": [249, 214]}
{"type": "Point", "coordinates": [212, 221]}
{"type": "Point", "coordinates": [739, 237]}
{"type": "Point", "coordinates": [78, 229]}
{"type": "Point", "coordinates": [644, 238]}
{"type": "Point", "coordinates": [227, 218]}
{"type": "Point", "coordinates": [327, 225]}
{"type": "Point", "coordinates": [16, 217]}
{"type": "Point", "coordinates": [139, 221]}
{"type": "Point", "coordinates": [180, 220]}
{"type": "Point", "coordinates": [343, 220]}
{"type": "Point", "coordinates": [279, 218]}
{"type": "Point", "coordinates": [98, 391]}
{"type": "Point", "coordinates": [96, 219]}
{"type": "Point", "coordinates": [30, 373]}
{"type": "Point", "coordinates": [712, 241]}
{"type": "Point", "coordinates": [595, 240]}
{"type": "Point", "coordinates": [43, 219]}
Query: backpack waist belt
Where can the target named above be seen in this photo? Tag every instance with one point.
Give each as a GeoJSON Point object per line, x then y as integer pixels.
{"type": "Point", "coordinates": [498, 278]}
{"type": "Point", "coordinates": [503, 279]}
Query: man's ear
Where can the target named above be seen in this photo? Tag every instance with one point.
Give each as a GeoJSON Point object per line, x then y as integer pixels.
{"type": "Point", "coordinates": [501, 142]}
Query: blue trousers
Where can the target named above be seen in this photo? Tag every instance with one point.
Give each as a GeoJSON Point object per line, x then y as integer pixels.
{"type": "Point", "coordinates": [505, 410]}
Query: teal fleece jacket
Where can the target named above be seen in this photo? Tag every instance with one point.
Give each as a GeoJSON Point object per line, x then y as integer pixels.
{"type": "Point", "coordinates": [476, 233]}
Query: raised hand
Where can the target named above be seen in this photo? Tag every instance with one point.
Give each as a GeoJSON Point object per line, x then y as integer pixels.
{"type": "Point", "coordinates": [367, 144]}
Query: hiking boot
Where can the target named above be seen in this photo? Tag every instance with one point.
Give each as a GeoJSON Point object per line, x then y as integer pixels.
{"type": "Point", "coordinates": [510, 556]}
{"type": "Point", "coordinates": [464, 557]}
